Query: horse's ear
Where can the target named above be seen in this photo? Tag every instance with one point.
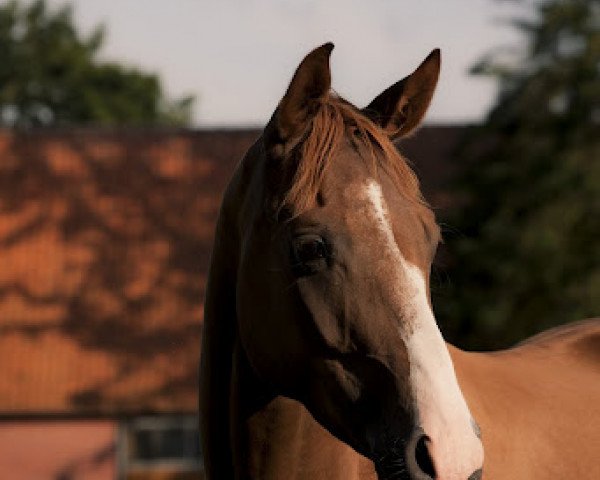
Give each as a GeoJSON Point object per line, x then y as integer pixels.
{"type": "Point", "coordinates": [310, 84]}
{"type": "Point", "coordinates": [400, 108]}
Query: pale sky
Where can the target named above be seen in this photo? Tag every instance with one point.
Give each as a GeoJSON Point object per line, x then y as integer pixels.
{"type": "Point", "coordinates": [237, 56]}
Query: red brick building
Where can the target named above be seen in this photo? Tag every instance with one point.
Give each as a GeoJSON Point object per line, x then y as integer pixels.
{"type": "Point", "coordinates": [105, 239]}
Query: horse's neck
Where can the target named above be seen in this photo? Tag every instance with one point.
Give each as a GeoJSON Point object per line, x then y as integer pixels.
{"type": "Point", "coordinates": [529, 400]}
{"type": "Point", "coordinates": [494, 382]}
{"type": "Point", "coordinates": [275, 437]}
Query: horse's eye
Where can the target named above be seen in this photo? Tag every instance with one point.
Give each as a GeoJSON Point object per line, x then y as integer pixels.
{"type": "Point", "coordinates": [309, 254]}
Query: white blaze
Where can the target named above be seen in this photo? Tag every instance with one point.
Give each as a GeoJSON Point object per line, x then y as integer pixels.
{"type": "Point", "coordinates": [443, 412]}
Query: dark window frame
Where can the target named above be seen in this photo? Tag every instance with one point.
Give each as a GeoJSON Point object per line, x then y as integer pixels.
{"type": "Point", "coordinates": [159, 425]}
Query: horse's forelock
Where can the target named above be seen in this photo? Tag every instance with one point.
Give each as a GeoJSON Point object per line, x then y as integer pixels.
{"type": "Point", "coordinates": [324, 138]}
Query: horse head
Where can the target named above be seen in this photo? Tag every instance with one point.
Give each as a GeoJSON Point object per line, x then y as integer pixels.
{"type": "Point", "coordinates": [335, 245]}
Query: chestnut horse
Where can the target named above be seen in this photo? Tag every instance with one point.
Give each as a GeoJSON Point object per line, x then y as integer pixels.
{"type": "Point", "coordinates": [321, 356]}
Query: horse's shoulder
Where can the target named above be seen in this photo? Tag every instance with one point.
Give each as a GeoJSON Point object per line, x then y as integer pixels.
{"type": "Point", "coordinates": [580, 339]}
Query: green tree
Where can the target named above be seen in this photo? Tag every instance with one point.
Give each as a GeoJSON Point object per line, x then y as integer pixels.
{"type": "Point", "coordinates": [50, 75]}
{"type": "Point", "coordinates": [528, 253]}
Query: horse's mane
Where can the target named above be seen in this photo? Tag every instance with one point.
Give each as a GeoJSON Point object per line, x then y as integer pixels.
{"type": "Point", "coordinates": [334, 120]}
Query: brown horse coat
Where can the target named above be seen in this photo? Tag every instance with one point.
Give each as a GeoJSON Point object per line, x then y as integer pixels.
{"type": "Point", "coordinates": [321, 358]}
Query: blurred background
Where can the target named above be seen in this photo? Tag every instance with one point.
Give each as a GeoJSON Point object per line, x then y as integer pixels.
{"type": "Point", "coordinates": [121, 122]}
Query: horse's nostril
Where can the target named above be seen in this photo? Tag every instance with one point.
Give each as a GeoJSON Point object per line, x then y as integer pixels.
{"type": "Point", "coordinates": [476, 475]}
{"type": "Point", "coordinates": [423, 458]}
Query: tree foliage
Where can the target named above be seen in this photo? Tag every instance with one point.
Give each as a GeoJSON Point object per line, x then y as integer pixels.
{"type": "Point", "coordinates": [50, 74]}
{"type": "Point", "coordinates": [528, 253]}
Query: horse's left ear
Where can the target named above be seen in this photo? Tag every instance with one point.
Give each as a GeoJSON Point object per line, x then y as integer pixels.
{"type": "Point", "coordinates": [400, 108]}
{"type": "Point", "coordinates": [309, 86]}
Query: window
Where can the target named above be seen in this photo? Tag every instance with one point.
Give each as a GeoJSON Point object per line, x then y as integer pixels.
{"type": "Point", "coordinates": [160, 443]}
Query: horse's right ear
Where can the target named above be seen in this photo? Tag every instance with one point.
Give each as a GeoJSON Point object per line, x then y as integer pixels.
{"type": "Point", "coordinates": [399, 109]}
{"type": "Point", "coordinates": [309, 86]}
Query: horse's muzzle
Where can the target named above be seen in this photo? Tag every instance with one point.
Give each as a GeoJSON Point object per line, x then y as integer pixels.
{"type": "Point", "coordinates": [406, 460]}
{"type": "Point", "coordinates": [410, 460]}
